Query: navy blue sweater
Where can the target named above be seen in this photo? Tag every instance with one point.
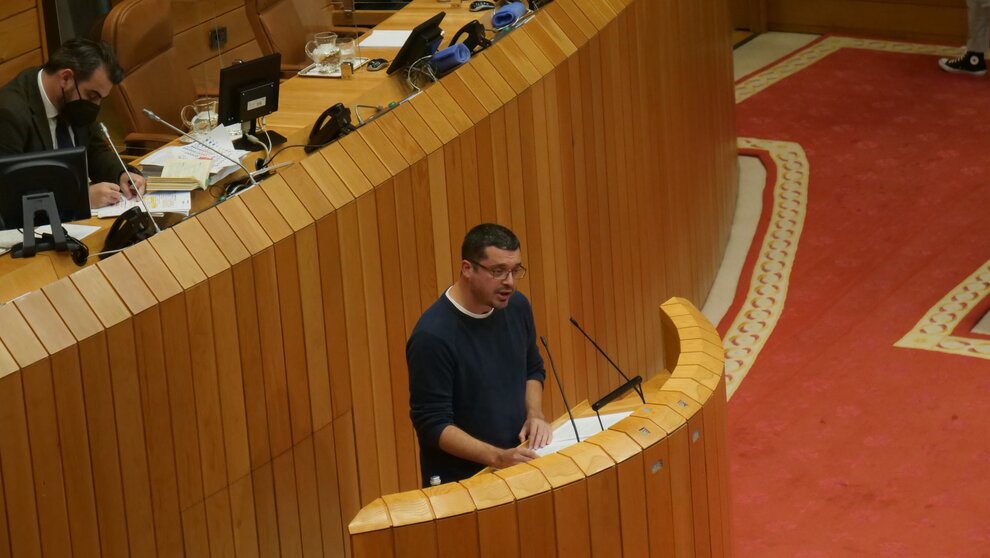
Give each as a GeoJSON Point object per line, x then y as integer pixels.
{"type": "Point", "coordinates": [470, 372]}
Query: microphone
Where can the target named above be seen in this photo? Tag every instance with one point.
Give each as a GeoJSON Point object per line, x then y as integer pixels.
{"type": "Point", "coordinates": [561, 387]}
{"type": "Point", "coordinates": [137, 191]}
{"type": "Point", "coordinates": [162, 121]}
{"type": "Point", "coordinates": [615, 393]}
{"type": "Point", "coordinates": [639, 391]}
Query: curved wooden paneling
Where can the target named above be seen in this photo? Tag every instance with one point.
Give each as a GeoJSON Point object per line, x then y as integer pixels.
{"type": "Point", "coordinates": [237, 385]}
{"type": "Point", "coordinates": [654, 484]}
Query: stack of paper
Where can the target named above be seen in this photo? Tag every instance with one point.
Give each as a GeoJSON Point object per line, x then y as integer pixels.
{"type": "Point", "coordinates": [158, 203]}
{"type": "Point", "coordinates": [196, 169]}
{"type": "Point", "coordinates": [218, 139]}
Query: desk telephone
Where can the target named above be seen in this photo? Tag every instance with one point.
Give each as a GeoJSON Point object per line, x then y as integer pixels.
{"type": "Point", "coordinates": [131, 227]}
{"type": "Point", "coordinates": [334, 123]}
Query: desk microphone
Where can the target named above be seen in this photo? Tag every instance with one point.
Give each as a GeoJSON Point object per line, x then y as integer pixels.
{"type": "Point", "coordinates": [560, 386]}
{"type": "Point", "coordinates": [137, 191]}
{"type": "Point", "coordinates": [629, 383]}
{"type": "Point", "coordinates": [160, 120]}
{"type": "Point", "coordinates": [616, 393]}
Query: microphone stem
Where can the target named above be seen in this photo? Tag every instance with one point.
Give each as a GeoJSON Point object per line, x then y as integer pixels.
{"type": "Point", "coordinates": [162, 121]}
{"type": "Point", "coordinates": [639, 390]}
{"type": "Point", "coordinates": [561, 386]}
{"type": "Point", "coordinates": [137, 191]}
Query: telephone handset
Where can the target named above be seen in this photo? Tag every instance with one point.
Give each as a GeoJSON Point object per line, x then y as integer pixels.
{"type": "Point", "coordinates": [474, 37]}
{"type": "Point", "coordinates": [334, 123]}
{"type": "Point", "coordinates": [131, 227]}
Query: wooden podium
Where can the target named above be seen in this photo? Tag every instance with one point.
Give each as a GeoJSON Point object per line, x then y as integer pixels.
{"type": "Point", "coordinates": [237, 386]}
{"type": "Point", "coordinates": [653, 484]}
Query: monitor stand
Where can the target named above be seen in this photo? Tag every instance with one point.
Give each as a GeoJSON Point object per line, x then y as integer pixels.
{"type": "Point", "coordinates": [244, 145]}
{"type": "Point", "coordinates": [32, 205]}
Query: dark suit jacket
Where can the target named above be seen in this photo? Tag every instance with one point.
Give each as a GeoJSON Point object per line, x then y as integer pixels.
{"type": "Point", "coordinates": [24, 128]}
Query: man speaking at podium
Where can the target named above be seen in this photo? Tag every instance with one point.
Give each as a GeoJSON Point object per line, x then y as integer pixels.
{"type": "Point", "coordinates": [55, 107]}
{"type": "Point", "coordinates": [475, 373]}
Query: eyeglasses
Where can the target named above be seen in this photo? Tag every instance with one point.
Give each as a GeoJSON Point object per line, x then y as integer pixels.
{"type": "Point", "coordinates": [499, 274]}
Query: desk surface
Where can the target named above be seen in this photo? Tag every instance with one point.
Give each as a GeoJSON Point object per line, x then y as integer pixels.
{"type": "Point", "coordinates": [301, 101]}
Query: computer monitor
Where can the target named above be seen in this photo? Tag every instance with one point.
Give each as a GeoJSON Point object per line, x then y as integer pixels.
{"type": "Point", "coordinates": [38, 183]}
{"type": "Point", "coordinates": [248, 91]}
{"type": "Point", "coordinates": [423, 41]}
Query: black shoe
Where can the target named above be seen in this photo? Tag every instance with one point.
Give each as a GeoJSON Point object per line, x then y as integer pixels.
{"type": "Point", "coordinates": [971, 63]}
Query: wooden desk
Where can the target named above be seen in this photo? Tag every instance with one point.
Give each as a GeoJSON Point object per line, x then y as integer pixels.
{"type": "Point", "coordinates": [301, 101]}
{"type": "Point", "coordinates": [237, 384]}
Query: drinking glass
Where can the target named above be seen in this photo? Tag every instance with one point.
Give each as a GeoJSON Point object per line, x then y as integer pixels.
{"type": "Point", "coordinates": [348, 50]}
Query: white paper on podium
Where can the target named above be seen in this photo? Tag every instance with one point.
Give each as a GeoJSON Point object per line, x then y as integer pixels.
{"type": "Point", "coordinates": [563, 436]}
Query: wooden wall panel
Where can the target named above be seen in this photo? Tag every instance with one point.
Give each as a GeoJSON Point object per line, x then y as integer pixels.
{"type": "Point", "coordinates": [25, 536]}
{"type": "Point", "coordinates": [187, 13]}
{"type": "Point", "coordinates": [21, 34]}
{"type": "Point", "coordinates": [4, 527]}
{"type": "Point", "coordinates": [943, 21]}
{"type": "Point", "coordinates": [39, 399]}
{"type": "Point", "coordinates": [93, 352]}
{"type": "Point", "coordinates": [23, 45]}
{"type": "Point", "coordinates": [192, 21]}
{"type": "Point", "coordinates": [238, 383]}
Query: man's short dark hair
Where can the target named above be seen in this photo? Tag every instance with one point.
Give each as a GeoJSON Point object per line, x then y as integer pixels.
{"type": "Point", "coordinates": [484, 235]}
{"type": "Point", "coordinates": [84, 57]}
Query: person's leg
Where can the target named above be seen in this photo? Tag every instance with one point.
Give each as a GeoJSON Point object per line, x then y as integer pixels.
{"type": "Point", "coordinates": [972, 62]}
{"type": "Point", "coordinates": [979, 25]}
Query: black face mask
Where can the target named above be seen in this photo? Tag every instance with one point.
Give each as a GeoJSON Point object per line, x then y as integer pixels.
{"type": "Point", "coordinates": [79, 113]}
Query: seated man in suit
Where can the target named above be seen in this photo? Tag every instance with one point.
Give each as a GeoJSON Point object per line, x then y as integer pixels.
{"type": "Point", "coordinates": [55, 107]}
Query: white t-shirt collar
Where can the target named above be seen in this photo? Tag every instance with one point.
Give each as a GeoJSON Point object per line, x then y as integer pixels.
{"type": "Point", "coordinates": [465, 310]}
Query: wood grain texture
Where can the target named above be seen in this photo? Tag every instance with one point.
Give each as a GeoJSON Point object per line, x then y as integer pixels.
{"type": "Point", "coordinates": [900, 19]}
{"type": "Point", "coordinates": [238, 384]}
{"type": "Point", "coordinates": [22, 34]}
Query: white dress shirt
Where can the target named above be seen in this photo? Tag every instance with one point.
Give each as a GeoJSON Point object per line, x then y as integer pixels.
{"type": "Point", "coordinates": [52, 113]}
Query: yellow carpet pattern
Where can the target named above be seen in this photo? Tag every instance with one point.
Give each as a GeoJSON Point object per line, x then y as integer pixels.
{"type": "Point", "coordinates": [934, 331]}
{"type": "Point", "coordinates": [765, 299]}
{"type": "Point", "coordinates": [764, 302]}
{"type": "Point", "coordinates": [759, 81]}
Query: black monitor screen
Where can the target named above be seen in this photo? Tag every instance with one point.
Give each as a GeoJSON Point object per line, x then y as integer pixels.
{"type": "Point", "coordinates": [249, 90]}
{"type": "Point", "coordinates": [423, 41]}
{"type": "Point", "coordinates": [63, 173]}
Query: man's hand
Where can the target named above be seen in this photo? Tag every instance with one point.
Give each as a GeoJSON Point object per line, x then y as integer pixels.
{"type": "Point", "coordinates": [127, 188]}
{"type": "Point", "coordinates": [537, 431]}
{"type": "Point", "coordinates": [103, 194]}
{"type": "Point", "coordinates": [509, 457]}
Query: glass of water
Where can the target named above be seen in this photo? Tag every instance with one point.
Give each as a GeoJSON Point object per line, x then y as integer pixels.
{"type": "Point", "coordinates": [348, 50]}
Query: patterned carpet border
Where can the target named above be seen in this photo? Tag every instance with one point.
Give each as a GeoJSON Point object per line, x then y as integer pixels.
{"type": "Point", "coordinates": [753, 84]}
{"type": "Point", "coordinates": [764, 301]}
{"type": "Point", "coordinates": [935, 331]}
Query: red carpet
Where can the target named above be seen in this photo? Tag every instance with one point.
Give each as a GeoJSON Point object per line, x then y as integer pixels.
{"type": "Point", "coordinates": [843, 444]}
